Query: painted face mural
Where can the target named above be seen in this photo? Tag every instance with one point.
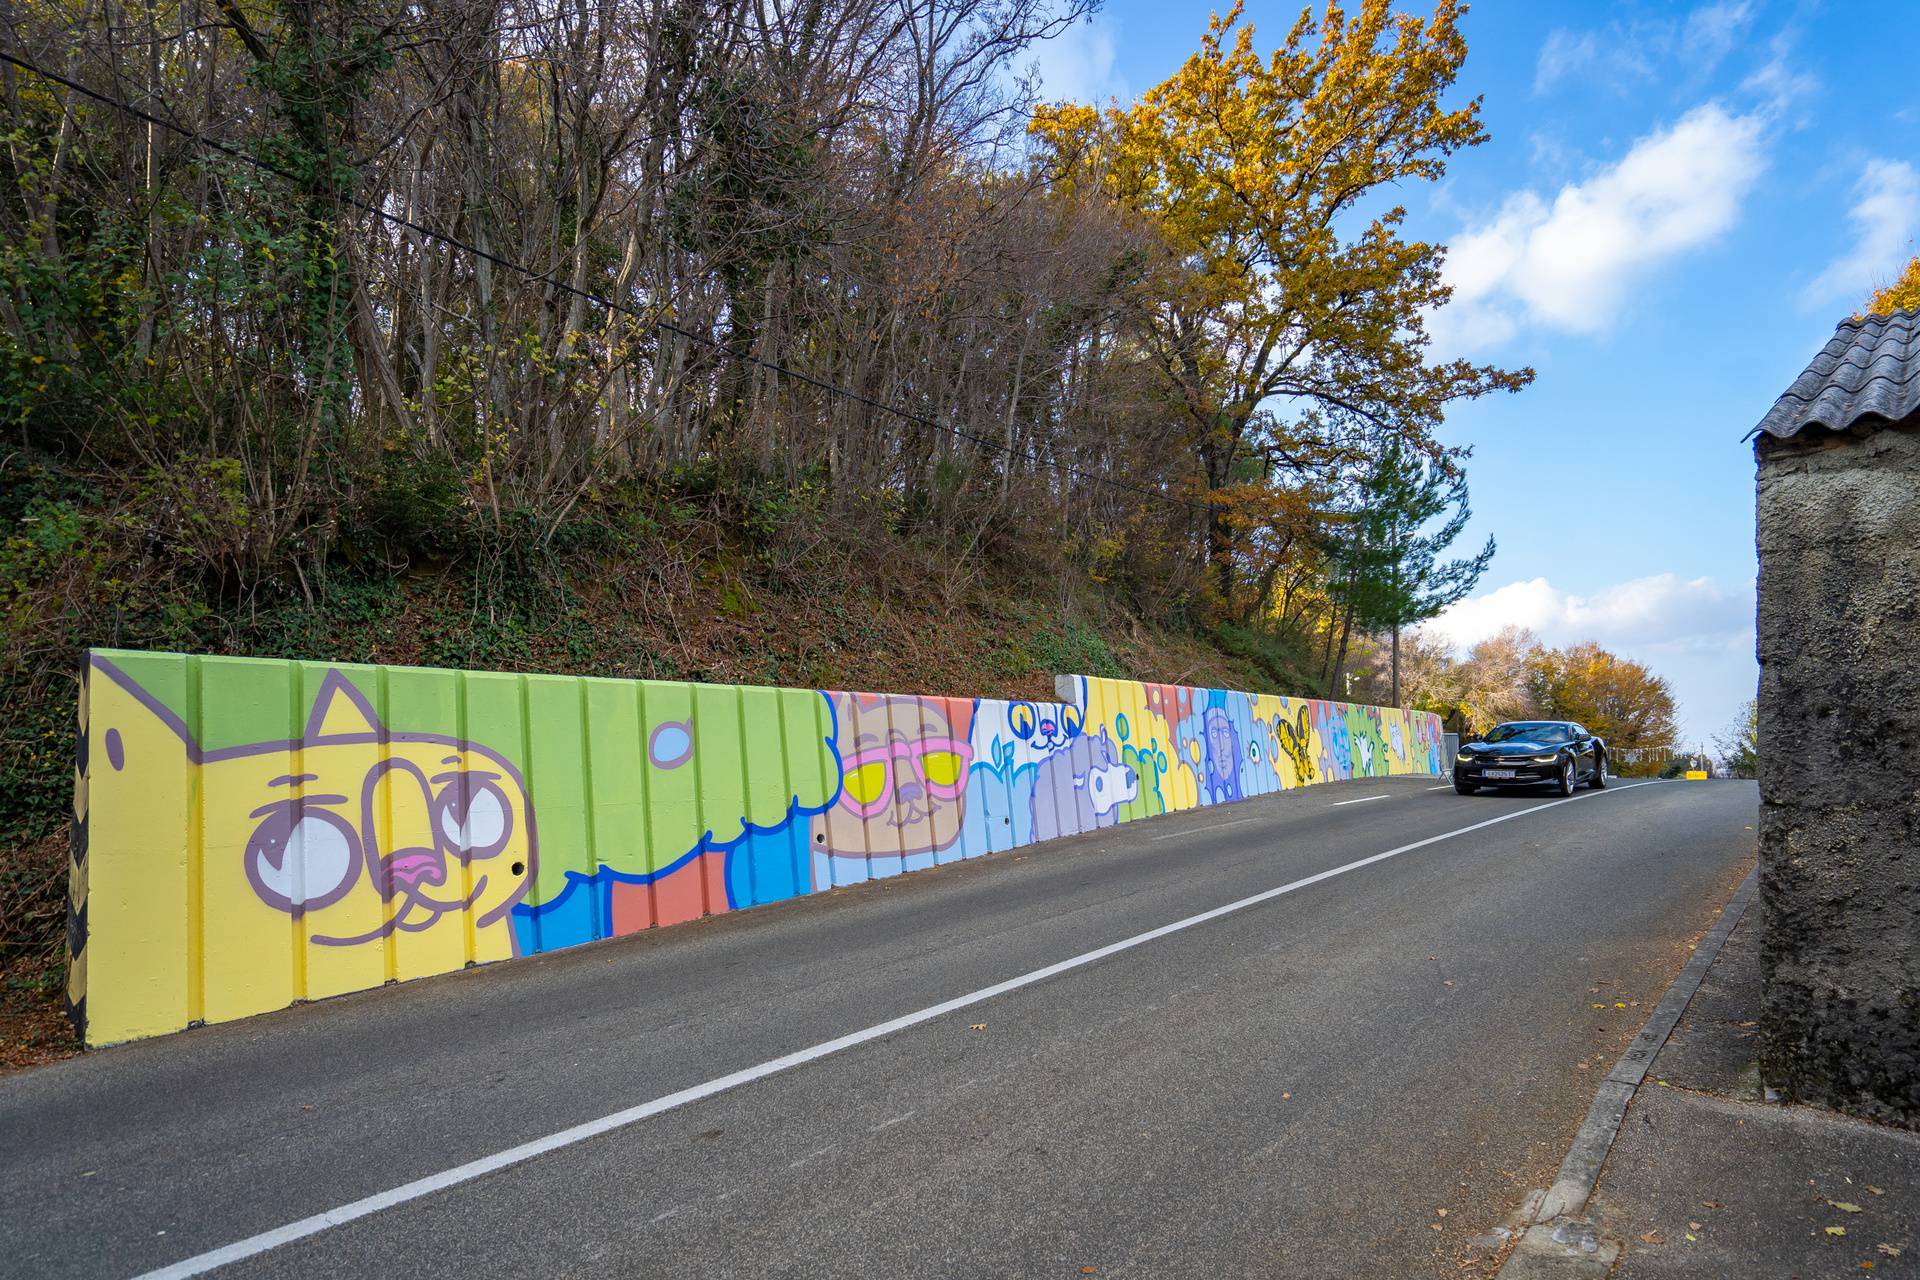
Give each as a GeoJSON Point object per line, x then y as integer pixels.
{"type": "Point", "coordinates": [1223, 756]}
{"type": "Point", "coordinates": [903, 775]}
{"type": "Point", "coordinates": [353, 829]}
{"type": "Point", "coordinates": [1044, 726]}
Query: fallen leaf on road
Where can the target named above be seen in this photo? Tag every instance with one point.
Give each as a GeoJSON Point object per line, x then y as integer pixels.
{"type": "Point", "coordinates": [1286, 1095]}
{"type": "Point", "coordinates": [1434, 1226]}
{"type": "Point", "coordinates": [978, 1026]}
{"type": "Point", "coordinates": [1691, 1238]}
{"type": "Point", "coordinates": [1581, 1065]}
{"type": "Point", "coordinates": [1599, 1006]}
{"type": "Point", "coordinates": [1711, 1204]}
{"type": "Point", "coordinates": [1891, 1250]}
{"type": "Point", "coordinates": [1845, 1206]}
{"type": "Point", "coordinates": [1652, 1237]}
{"type": "Point", "coordinates": [1866, 1266]}
{"type": "Point", "coordinates": [1441, 1212]}
{"type": "Point", "coordinates": [1836, 1231]}
{"type": "Point", "coordinates": [1693, 1226]}
{"type": "Point", "coordinates": [1875, 1191]}
{"type": "Point", "coordinates": [1086, 1271]}
{"type": "Point", "coordinates": [1449, 984]}
{"type": "Point", "coordinates": [1619, 1004]}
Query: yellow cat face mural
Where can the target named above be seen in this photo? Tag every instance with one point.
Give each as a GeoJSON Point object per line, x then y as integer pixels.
{"type": "Point", "coordinates": [351, 831]}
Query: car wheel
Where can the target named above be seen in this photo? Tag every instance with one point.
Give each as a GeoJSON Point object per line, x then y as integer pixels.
{"type": "Point", "coordinates": [1464, 788]}
{"type": "Point", "coordinates": [1599, 771]}
{"type": "Point", "coordinates": [1568, 776]}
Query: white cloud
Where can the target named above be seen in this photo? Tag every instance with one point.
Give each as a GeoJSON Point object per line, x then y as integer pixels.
{"type": "Point", "coordinates": [1562, 54]}
{"type": "Point", "coordinates": [1662, 613]}
{"type": "Point", "coordinates": [1625, 54]}
{"type": "Point", "coordinates": [1077, 64]}
{"type": "Point", "coordinates": [1712, 31]}
{"type": "Point", "coordinates": [1696, 633]}
{"type": "Point", "coordinates": [1778, 82]}
{"type": "Point", "coordinates": [1573, 263]}
{"type": "Point", "coordinates": [1885, 219]}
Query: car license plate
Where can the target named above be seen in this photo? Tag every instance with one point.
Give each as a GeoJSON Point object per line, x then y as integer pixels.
{"type": "Point", "coordinates": [1499, 773]}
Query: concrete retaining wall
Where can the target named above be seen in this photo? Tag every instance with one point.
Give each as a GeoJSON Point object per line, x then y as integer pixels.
{"type": "Point", "coordinates": [249, 834]}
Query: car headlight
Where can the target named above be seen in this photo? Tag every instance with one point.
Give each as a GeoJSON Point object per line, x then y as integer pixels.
{"type": "Point", "coordinates": [1545, 759]}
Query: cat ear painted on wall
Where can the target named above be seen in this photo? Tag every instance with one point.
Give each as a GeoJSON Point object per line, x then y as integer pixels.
{"type": "Point", "coordinates": [340, 710]}
{"type": "Point", "coordinates": [135, 729]}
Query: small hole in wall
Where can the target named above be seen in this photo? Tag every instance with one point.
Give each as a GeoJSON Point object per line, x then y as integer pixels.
{"type": "Point", "coordinates": [821, 838]}
{"type": "Point", "coordinates": [1006, 822]}
{"type": "Point", "coordinates": [519, 868]}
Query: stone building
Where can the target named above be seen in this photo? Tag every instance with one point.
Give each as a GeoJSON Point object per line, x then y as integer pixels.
{"type": "Point", "coordinates": [1839, 640]}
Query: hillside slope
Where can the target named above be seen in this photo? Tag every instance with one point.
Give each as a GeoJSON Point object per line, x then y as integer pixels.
{"type": "Point", "coordinates": [657, 587]}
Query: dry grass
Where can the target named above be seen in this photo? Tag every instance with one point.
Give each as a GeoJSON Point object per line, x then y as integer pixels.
{"type": "Point", "coordinates": [33, 970]}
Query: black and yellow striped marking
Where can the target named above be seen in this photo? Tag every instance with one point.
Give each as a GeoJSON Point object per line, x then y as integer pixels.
{"type": "Point", "coordinates": [77, 877]}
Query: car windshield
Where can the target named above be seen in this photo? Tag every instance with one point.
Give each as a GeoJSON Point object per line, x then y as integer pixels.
{"type": "Point", "coordinates": [1530, 731]}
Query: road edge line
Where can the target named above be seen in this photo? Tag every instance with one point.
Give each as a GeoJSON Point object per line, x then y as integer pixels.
{"type": "Point", "coordinates": [1580, 1171]}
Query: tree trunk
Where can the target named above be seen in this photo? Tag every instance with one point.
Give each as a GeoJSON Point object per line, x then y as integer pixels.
{"type": "Point", "coordinates": [1346, 632]}
{"type": "Point", "coordinates": [1396, 664]}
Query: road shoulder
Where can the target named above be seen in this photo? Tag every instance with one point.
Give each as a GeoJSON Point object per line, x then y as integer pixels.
{"type": "Point", "coordinates": [1706, 1177]}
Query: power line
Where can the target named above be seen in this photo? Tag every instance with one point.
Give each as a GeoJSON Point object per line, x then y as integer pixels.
{"type": "Point", "coordinates": [656, 324]}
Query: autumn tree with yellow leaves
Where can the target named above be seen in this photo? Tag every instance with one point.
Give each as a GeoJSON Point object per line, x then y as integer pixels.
{"type": "Point", "coordinates": [1285, 310]}
{"type": "Point", "coordinates": [1902, 294]}
{"type": "Point", "coordinates": [1615, 697]}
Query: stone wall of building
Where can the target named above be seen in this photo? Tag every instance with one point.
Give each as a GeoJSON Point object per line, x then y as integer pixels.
{"type": "Point", "coordinates": [1839, 642]}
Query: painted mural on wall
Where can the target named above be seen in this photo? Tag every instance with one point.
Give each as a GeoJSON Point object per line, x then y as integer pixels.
{"type": "Point", "coordinates": [250, 834]}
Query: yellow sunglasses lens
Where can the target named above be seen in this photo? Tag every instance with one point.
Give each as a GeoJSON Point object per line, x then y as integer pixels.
{"type": "Point", "coordinates": [941, 768]}
{"type": "Point", "coordinates": [867, 782]}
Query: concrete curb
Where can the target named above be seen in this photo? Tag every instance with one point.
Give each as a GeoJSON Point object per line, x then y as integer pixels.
{"type": "Point", "coordinates": [1558, 1240]}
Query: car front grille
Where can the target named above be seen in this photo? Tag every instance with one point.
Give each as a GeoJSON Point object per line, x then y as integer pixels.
{"type": "Point", "coordinates": [1521, 772]}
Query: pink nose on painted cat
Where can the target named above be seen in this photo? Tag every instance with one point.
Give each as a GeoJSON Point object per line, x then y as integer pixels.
{"type": "Point", "coordinates": [416, 867]}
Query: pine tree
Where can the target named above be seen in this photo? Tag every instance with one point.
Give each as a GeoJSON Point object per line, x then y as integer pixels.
{"type": "Point", "coordinates": [1396, 577]}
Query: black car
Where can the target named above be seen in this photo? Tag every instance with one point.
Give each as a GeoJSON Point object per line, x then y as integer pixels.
{"type": "Point", "coordinates": [1532, 753]}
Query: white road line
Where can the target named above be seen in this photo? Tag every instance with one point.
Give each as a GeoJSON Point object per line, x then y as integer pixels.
{"type": "Point", "coordinates": [1194, 831]}
{"type": "Point", "coordinates": [255, 1245]}
{"type": "Point", "coordinates": [1445, 786]}
{"type": "Point", "coordinates": [1362, 800]}
{"type": "Point", "coordinates": [811, 1155]}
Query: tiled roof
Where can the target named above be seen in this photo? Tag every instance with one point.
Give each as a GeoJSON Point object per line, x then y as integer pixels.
{"type": "Point", "coordinates": [1870, 371]}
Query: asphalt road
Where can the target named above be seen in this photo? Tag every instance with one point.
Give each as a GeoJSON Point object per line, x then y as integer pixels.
{"type": "Point", "coordinates": [1294, 1088]}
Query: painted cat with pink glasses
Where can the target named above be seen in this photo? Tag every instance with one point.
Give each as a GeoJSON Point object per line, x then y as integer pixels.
{"type": "Point", "coordinates": [904, 768]}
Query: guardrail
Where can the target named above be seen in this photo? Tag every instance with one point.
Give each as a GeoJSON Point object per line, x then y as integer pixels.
{"type": "Point", "coordinates": [251, 834]}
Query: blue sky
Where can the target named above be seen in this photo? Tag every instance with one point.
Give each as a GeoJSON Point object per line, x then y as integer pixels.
{"type": "Point", "coordinates": [1677, 205]}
